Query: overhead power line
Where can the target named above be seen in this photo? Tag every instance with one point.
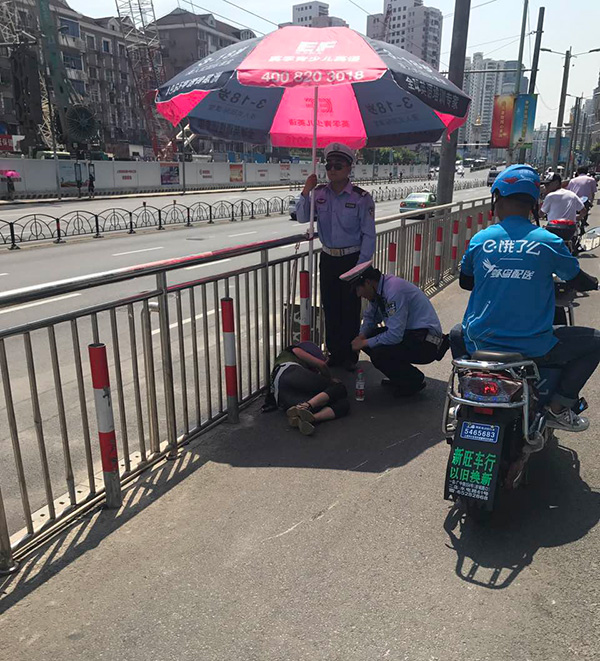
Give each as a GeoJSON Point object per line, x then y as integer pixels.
{"type": "Point", "coordinates": [262, 18]}
{"type": "Point", "coordinates": [195, 7]}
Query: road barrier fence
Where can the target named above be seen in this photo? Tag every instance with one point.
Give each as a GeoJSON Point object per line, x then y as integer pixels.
{"type": "Point", "coordinates": [80, 222]}
{"type": "Point", "coordinates": [173, 345]}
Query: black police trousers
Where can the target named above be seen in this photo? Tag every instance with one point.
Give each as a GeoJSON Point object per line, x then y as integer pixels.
{"type": "Point", "coordinates": [397, 361]}
{"type": "Point", "coordinates": [341, 306]}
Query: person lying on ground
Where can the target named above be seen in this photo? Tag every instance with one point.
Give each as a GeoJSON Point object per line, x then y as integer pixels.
{"type": "Point", "coordinates": [301, 385]}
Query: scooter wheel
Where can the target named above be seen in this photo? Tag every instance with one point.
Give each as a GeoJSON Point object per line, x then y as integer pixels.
{"type": "Point", "coordinates": [475, 510]}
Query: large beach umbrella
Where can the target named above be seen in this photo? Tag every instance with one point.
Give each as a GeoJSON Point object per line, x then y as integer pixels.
{"type": "Point", "coordinates": [307, 87]}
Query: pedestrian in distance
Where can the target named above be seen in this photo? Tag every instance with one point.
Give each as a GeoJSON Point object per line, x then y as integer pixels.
{"type": "Point", "coordinates": [346, 225]}
{"type": "Point", "coordinates": [411, 334]}
{"type": "Point", "coordinates": [10, 188]}
{"type": "Point", "coordinates": [91, 185]}
{"type": "Point", "coordinates": [302, 386]}
{"type": "Point", "coordinates": [583, 185]}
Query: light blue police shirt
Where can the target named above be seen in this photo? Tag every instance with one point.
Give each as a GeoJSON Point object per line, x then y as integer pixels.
{"type": "Point", "coordinates": [511, 307]}
{"type": "Point", "coordinates": [402, 306]}
{"type": "Point", "coordinates": [343, 221]}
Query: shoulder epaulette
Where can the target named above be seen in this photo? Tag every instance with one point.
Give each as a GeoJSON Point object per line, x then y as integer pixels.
{"type": "Point", "coordinates": [361, 191]}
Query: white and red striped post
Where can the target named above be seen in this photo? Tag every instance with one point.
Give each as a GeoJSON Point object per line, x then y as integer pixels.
{"type": "Point", "coordinates": [392, 258]}
{"type": "Point", "coordinates": [106, 425]}
{"type": "Point", "coordinates": [455, 226]}
{"type": "Point", "coordinates": [437, 263]}
{"type": "Point", "coordinates": [231, 379]}
{"type": "Point", "coordinates": [304, 306]}
{"type": "Point", "coordinates": [417, 260]}
{"type": "Point", "coordinates": [480, 221]}
{"type": "Point", "coordinates": [469, 231]}
{"type": "Point", "coordinates": [490, 218]}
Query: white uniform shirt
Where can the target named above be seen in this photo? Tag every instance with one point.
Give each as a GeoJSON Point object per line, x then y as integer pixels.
{"type": "Point", "coordinates": [562, 204]}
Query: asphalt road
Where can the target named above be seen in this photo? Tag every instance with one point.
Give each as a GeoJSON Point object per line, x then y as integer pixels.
{"type": "Point", "coordinates": [259, 544]}
{"type": "Point", "coordinates": [50, 263]}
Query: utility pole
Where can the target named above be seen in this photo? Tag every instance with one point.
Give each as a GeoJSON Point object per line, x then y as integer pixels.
{"type": "Point", "coordinates": [561, 111]}
{"type": "Point", "coordinates": [520, 64]}
{"type": "Point", "coordinates": [456, 71]}
{"type": "Point", "coordinates": [568, 168]}
{"type": "Point", "coordinates": [535, 65]}
{"type": "Point", "coordinates": [546, 147]}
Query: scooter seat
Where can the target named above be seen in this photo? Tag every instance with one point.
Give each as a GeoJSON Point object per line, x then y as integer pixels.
{"type": "Point", "coordinates": [497, 356]}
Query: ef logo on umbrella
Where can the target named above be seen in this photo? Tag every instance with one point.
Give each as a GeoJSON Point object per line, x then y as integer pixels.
{"type": "Point", "coordinates": [314, 47]}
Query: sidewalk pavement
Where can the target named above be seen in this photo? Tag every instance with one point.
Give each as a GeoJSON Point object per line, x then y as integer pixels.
{"type": "Point", "coordinates": [259, 544]}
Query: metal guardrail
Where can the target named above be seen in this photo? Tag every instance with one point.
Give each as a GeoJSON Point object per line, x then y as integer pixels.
{"type": "Point", "coordinates": [164, 337]}
{"type": "Point", "coordinates": [45, 227]}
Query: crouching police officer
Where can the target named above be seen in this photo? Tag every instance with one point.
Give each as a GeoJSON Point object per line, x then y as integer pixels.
{"type": "Point", "coordinates": [346, 226]}
{"type": "Point", "coordinates": [412, 333]}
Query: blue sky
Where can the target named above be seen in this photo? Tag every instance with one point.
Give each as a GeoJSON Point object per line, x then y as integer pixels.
{"type": "Point", "coordinates": [567, 24]}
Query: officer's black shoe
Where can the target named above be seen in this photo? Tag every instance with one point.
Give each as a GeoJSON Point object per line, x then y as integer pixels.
{"type": "Point", "coordinates": [403, 391]}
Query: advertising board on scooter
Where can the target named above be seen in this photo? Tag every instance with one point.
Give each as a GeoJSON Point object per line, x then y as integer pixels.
{"type": "Point", "coordinates": [473, 465]}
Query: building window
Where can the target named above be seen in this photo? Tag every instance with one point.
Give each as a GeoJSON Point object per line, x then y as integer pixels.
{"type": "Point", "coordinates": [109, 75]}
{"type": "Point", "coordinates": [122, 51]}
{"type": "Point", "coordinates": [105, 46]}
{"type": "Point", "coordinates": [79, 86]}
{"type": "Point", "coordinates": [93, 72]}
{"type": "Point", "coordinates": [73, 62]}
{"type": "Point", "coordinates": [124, 78]}
{"type": "Point", "coordinates": [91, 41]}
{"type": "Point", "coordinates": [69, 27]}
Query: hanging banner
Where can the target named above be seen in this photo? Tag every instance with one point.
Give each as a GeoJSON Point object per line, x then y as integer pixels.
{"type": "Point", "coordinates": [502, 121]}
{"type": "Point", "coordinates": [523, 124]}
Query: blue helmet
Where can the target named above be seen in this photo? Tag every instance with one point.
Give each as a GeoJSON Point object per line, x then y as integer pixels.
{"type": "Point", "coordinates": [518, 179]}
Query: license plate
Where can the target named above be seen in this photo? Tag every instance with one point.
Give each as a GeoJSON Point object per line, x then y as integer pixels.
{"type": "Point", "coordinates": [477, 431]}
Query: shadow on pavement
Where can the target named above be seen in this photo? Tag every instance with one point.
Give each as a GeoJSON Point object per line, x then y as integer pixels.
{"type": "Point", "coordinates": [381, 433]}
{"type": "Point", "coordinates": [556, 507]}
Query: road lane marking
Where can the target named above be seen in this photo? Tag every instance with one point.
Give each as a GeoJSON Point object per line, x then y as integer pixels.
{"type": "Point", "coordinates": [184, 322]}
{"type": "Point", "coordinates": [230, 236]}
{"type": "Point", "coordinates": [133, 252]}
{"type": "Point", "coordinates": [200, 266]}
{"type": "Point", "coordinates": [16, 308]}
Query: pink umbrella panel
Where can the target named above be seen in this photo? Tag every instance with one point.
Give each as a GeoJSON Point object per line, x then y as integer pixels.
{"type": "Point", "coordinates": [370, 94]}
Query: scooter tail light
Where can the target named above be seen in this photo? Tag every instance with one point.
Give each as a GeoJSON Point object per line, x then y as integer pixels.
{"type": "Point", "coordinates": [483, 388]}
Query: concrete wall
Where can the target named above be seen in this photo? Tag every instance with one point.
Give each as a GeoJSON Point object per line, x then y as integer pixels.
{"type": "Point", "coordinates": [39, 176]}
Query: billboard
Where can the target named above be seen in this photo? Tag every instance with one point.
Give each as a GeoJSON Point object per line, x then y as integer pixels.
{"type": "Point", "coordinates": [502, 121]}
{"type": "Point", "coordinates": [169, 174]}
{"type": "Point", "coordinates": [523, 124]}
{"type": "Point", "coordinates": [236, 172]}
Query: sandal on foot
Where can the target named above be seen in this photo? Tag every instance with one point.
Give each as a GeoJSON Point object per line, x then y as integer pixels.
{"type": "Point", "coordinates": [306, 427]}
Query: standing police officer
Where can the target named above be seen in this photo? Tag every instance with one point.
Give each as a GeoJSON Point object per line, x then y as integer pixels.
{"type": "Point", "coordinates": [346, 226]}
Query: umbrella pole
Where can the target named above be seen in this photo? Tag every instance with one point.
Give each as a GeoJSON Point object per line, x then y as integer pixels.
{"type": "Point", "coordinates": [311, 230]}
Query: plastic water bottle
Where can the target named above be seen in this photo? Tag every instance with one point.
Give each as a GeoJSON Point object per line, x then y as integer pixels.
{"type": "Point", "coordinates": [360, 386]}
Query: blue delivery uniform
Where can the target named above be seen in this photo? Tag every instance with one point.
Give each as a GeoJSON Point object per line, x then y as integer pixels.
{"type": "Point", "coordinates": [511, 307]}
{"type": "Point", "coordinates": [346, 226]}
{"type": "Point", "coordinates": [412, 333]}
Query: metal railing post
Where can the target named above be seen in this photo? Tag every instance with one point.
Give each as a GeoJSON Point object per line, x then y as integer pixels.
{"type": "Point", "coordinates": [231, 379]}
{"type": "Point", "coordinates": [188, 222]}
{"type": "Point", "coordinates": [58, 232]}
{"type": "Point", "coordinates": [167, 358]}
{"type": "Point", "coordinates": [150, 376]}
{"type": "Point", "coordinates": [160, 225]}
{"type": "Point", "coordinates": [7, 562]}
{"type": "Point", "coordinates": [131, 230]}
{"type": "Point", "coordinates": [266, 334]}
{"type": "Point", "coordinates": [97, 223]}
{"type": "Point", "coordinates": [210, 215]}
{"type": "Point", "coordinates": [13, 238]}
{"type": "Point", "coordinates": [106, 425]}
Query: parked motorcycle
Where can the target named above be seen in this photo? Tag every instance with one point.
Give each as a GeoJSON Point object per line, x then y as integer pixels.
{"type": "Point", "coordinates": [494, 420]}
